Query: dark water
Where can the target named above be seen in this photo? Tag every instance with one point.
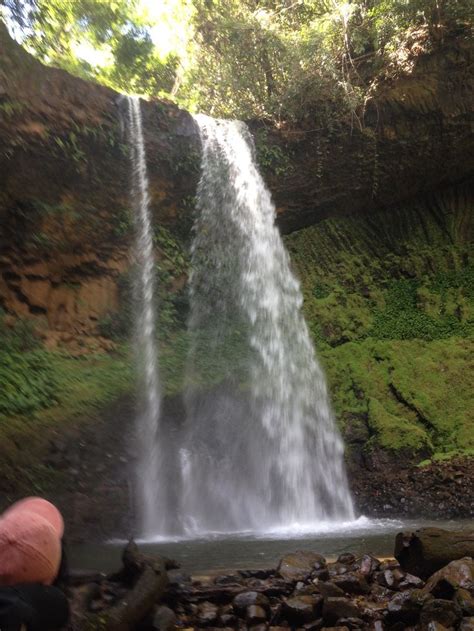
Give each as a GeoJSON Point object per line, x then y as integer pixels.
{"type": "Point", "coordinates": [248, 550]}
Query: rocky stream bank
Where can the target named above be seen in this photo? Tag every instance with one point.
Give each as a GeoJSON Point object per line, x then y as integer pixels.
{"type": "Point", "coordinates": [305, 591]}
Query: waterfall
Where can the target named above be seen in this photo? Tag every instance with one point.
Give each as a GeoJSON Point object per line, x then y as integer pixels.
{"type": "Point", "coordinates": [260, 447]}
{"type": "Point", "coordinates": [148, 468]}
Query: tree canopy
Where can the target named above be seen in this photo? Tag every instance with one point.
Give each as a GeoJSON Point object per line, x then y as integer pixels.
{"type": "Point", "coordinates": [242, 58]}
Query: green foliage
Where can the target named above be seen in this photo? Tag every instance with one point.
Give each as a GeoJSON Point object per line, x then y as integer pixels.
{"type": "Point", "coordinates": [26, 382]}
{"type": "Point", "coordinates": [116, 30]}
{"type": "Point", "coordinates": [172, 271]}
{"type": "Point", "coordinates": [284, 59]}
{"type": "Point", "coordinates": [403, 319]}
{"type": "Point", "coordinates": [280, 60]}
{"type": "Point", "coordinates": [271, 156]}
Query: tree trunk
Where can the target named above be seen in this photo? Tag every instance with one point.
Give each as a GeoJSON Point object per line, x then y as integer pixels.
{"type": "Point", "coordinates": [149, 578]}
{"type": "Point", "coordinates": [426, 550]}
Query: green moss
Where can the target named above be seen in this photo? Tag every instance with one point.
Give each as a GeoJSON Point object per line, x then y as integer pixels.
{"type": "Point", "coordinates": [424, 387]}
{"type": "Point", "coordinates": [405, 273]}
{"type": "Point", "coordinates": [394, 432]}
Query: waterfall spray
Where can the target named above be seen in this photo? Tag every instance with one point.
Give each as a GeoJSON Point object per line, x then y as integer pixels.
{"type": "Point", "coordinates": [261, 449]}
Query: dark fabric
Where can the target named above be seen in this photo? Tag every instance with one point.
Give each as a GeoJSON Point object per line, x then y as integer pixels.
{"type": "Point", "coordinates": [39, 607]}
{"type": "Point", "coordinates": [62, 579]}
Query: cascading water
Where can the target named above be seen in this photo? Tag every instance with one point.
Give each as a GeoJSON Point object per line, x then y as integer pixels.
{"type": "Point", "coordinates": [149, 461]}
{"type": "Point", "coordinates": [261, 449]}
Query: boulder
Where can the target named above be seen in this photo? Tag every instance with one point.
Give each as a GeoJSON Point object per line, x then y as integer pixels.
{"type": "Point", "coordinates": [368, 565]}
{"type": "Point", "coordinates": [445, 612]}
{"type": "Point", "coordinates": [346, 558]}
{"type": "Point", "coordinates": [465, 600]}
{"type": "Point", "coordinates": [352, 623]}
{"type": "Point", "coordinates": [338, 568]}
{"type": "Point", "coordinates": [246, 599]}
{"type": "Point", "coordinates": [445, 581]}
{"type": "Point", "coordinates": [255, 615]}
{"type": "Point", "coordinates": [207, 614]}
{"type": "Point", "coordinates": [164, 619]}
{"type": "Point", "coordinates": [315, 625]}
{"type": "Point", "coordinates": [335, 608]}
{"type": "Point", "coordinates": [297, 566]}
{"type": "Point", "coordinates": [429, 549]}
{"type": "Point", "coordinates": [404, 608]}
{"type": "Point", "coordinates": [327, 589]}
{"type": "Point", "coordinates": [301, 609]}
{"type": "Point", "coordinates": [320, 575]}
{"type": "Point", "coordinates": [352, 583]}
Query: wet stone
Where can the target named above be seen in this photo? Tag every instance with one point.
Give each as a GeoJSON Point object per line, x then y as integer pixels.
{"type": "Point", "coordinates": [346, 558]}
{"type": "Point", "coordinates": [245, 599]}
{"type": "Point", "coordinates": [228, 579]}
{"type": "Point", "coordinates": [410, 581]}
{"type": "Point", "coordinates": [255, 614]}
{"type": "Point", "coordinates": [336, 608]}
{"type": "Point", "coordinates": [466, 601]}
{"type": "Point", "coordinates": [314, 625]}
{"type": "Point", "coordinates": [176, 577]}
{"type": "Point", "coordinates": [458, 573]}
{"type": "Point", "coordinates": [335, 569]}
{"type": "Point", "coordinates": [446, 612]}
{"type": "Point", "coordinates": [301, 609]}
{"type": "Point", "coordinates": [368, 565]}
{"type": "Point", "coordinates": [329, 589]}
{"type": "Point", "coordinates": [352, 583]}
{"type": "Point", "coordinates": [298, 566]}
{"type": "Point", "coordinates": [207, 613]}
{"type": "Point", "coordinates": [391, 564]}
{"type": "Point", "coordinates": [228, 620]}
{"type": "Point", "coordinates": [386, 579]}
{"type": "Point", "coordinates": [403, 609]}
{"type": "Point", "coordinates": [436, 626]}
{"type": "Point", "coordinates": [306, 589]}
{"type": "Point", "coordinates": [261, 574]}
{"type": "Point", "coordinates": [351, 623]}
{"type": "Point", "coordinates": [164, 619]}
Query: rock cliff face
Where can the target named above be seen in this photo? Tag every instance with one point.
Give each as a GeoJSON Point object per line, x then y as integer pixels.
{"type": "Point", "coordinates": [64, 201]}
{"type": "Point", "coordinates": [64, 198]}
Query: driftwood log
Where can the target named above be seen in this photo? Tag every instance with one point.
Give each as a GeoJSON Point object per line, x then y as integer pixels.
{"type": "Point", "coordinates": [429, 549]}
{"type": "Point", "coordinates": [147, 578]}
